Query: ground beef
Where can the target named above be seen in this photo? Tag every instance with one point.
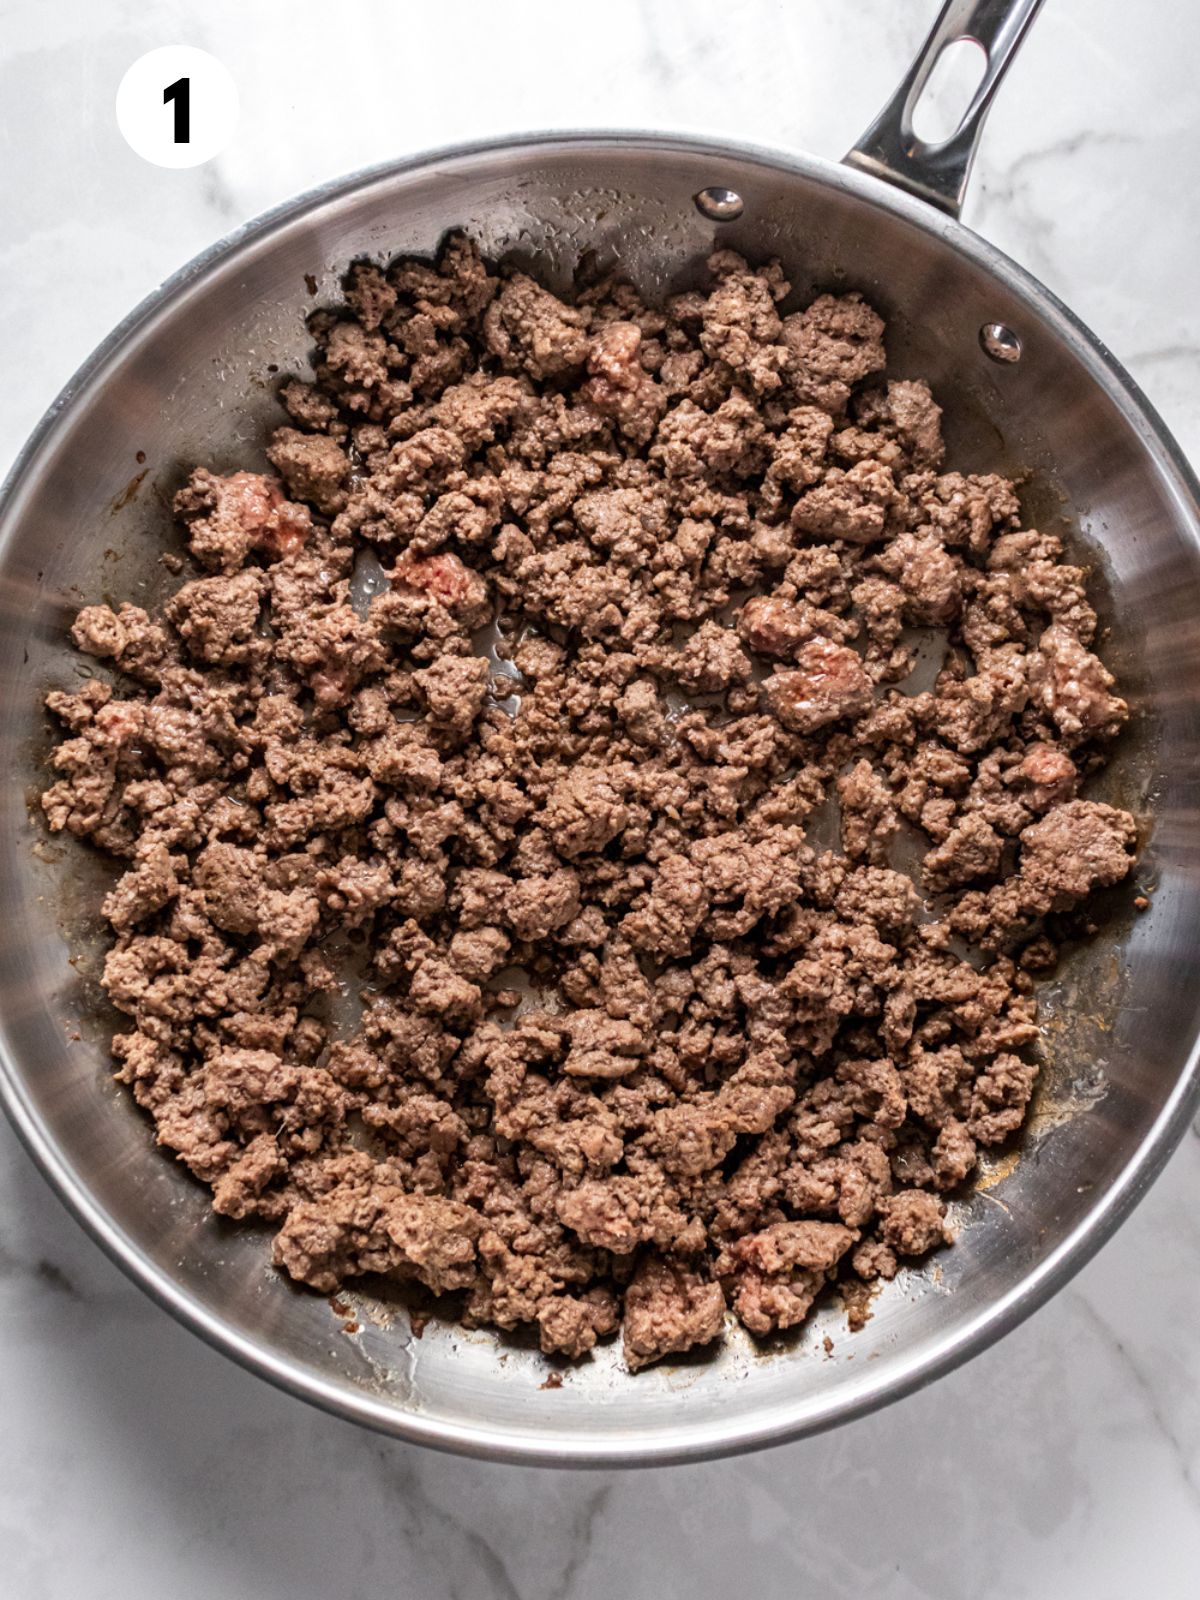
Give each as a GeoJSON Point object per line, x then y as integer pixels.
{"type": "Point", "coordinates": [828, 684]}
{"type": "Point", "coordinates": [1073, 685]}
{"type": "Point", "coordinates": [972, 849]}
{"type": "Point", "coordinates": [528, 327]}
{"type": "Point", "coordinates": [912, 1222]}
{"type": "Point", "coordinates": [227, 518]}
{"type": "Point", "coordinates": [668, 1307]}
{"type": "Point", "coordinates": [314, 467]}
{"type": "Point", "coordinates": [634, 1051]}
{"type": "Point", "coordinates": [778, 1273]}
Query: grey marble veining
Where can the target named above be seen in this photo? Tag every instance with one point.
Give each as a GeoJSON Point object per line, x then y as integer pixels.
{"type": "Point", "coordinates": [133, 1460]}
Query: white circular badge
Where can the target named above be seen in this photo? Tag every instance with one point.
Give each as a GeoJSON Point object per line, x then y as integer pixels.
{"type": "Point", "coordinates": [177, 106]}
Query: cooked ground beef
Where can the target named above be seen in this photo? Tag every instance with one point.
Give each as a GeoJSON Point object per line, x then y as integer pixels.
{"type": "Point", "coordinates": [634, 1050]}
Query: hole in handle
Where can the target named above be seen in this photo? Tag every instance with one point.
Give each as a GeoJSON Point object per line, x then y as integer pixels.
{"type": "Point", "coordinates": [949, 90]}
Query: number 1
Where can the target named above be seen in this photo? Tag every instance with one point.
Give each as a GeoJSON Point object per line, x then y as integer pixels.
{"type": "Point", "coordinates": [180, 93]}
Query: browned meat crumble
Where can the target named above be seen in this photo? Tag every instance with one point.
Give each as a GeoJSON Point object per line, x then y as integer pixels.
{"type": "Point", "coordinates": [635, 1050]}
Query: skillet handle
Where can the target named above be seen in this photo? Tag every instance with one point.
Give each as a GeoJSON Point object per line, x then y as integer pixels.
{"type": "Point", "coordinates": [938, 172]}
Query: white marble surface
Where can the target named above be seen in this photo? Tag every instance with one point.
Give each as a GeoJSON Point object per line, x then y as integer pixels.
{"type": "Point", "coordinates": [133, 1460]}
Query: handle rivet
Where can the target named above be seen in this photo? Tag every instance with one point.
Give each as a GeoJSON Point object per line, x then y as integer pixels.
{"type": "Point", "coordinates": [1000, 343]}
{"type": "Point", "coordinates": [719, 205]}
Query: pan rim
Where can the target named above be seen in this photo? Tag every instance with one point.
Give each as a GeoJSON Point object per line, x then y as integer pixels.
{"type": "Point", "coordinates": [679, 1441]}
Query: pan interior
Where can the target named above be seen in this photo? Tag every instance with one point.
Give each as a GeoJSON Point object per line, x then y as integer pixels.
{"type": "Point", "coordinates": [192, 382]}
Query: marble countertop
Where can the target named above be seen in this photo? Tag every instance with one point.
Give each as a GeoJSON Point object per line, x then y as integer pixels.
{"type": "Point", "coordinates": [134, 1460]}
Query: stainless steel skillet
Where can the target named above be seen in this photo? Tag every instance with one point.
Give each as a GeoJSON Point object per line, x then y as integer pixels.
{"type": "Point", "coordinates": [187, 378]}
